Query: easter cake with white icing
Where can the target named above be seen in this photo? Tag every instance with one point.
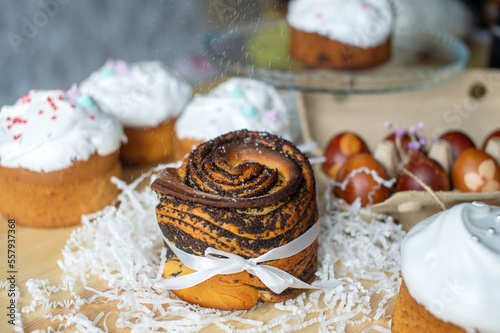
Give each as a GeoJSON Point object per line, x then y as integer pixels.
{"type": "Point", "coordinates": [340, 34]}
{"type": "Point", "coordinates": [450, 265]}
{"type": "Point", "coordinates": [58, 152]}
{"type": "Point", "coordinates": [147, 97]}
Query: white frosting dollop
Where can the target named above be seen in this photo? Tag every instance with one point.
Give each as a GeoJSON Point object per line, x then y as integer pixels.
{"type": "Point", "coordinates": [451, 265]}
{"type": "Point", "coordinates": [46, 131]}
{"type": "Point", "coordinates": [361, 23]}
{"type": "Point", "coordinates": [236, 104]}
{"type": "Point", "coordinates": [143, 94]}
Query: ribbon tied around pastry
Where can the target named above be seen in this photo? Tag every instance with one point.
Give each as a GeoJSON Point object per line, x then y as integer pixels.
{"type": "Point", "coordinates": [219, 262]}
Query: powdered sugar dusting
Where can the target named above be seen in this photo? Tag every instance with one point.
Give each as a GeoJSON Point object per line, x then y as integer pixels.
{"type": "Point", "coordinates": [123, 247]}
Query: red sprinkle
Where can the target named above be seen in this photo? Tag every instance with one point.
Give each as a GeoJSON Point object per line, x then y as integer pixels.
{"type": "Point", "coordinates": [19, 121]}
{"type": "Point", "coordinates": [51, 103]}
{"type": "Point", "coordinates": [72, 105]}
{"type": "Point", "coordinates": [25, 98]}
{"type": "Point", "coordinates": [60, 98]}
{"type": "Point", "coordinates": [53, 118]}
{"type": "Point", "coordinates": [8, 118]}
{"type": "Point", "coordinates": [17, 136]}
{"type": "Point", "coordinates": [9, 127]}
{"type": "Point", "coordinates": [91, 117]}
{"type": "Point", "coordinates": [40, 112]}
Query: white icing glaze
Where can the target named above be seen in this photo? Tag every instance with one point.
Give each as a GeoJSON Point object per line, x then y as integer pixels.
{"type": "Point", "coordinates": [451, 265]}
{"type": "Point", "coordinates": [46, 131]}
{"type": "Point", "coordinates": [142, 95]}
{"type": "Point", "coordinates": [361, 23]}
{"type": "Point", "coordinates": [238, 103]}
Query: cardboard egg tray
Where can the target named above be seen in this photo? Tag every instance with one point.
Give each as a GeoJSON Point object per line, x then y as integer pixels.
{"type": "Point", "coordinates": [470, 103]}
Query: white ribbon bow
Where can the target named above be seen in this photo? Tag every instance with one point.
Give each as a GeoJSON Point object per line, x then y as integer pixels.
{"type": "Point", "coordinates": [217, 262]}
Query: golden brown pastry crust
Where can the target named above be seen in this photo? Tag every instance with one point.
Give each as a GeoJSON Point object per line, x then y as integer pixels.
{"type": "Point", "coordinates": [59, 198]}
{"type": "Point", "coordinates": [409, 316]}
{"type": "Point", "coordinates": [148, 144]}
{"type": "Point", "coordinates": [244, 193]}
{"type": "Point", "coordinates": [316, 50]}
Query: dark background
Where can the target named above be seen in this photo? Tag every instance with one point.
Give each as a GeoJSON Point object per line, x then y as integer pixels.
{"type": "Point", "coordinates": [52, 43]}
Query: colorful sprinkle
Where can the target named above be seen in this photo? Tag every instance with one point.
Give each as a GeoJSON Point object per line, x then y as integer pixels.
{"type": "Point", "coordinates": [51, 103]}
{"type": "Point", "coordinates": [388, 124]}
{"type": "Point", "coordinates": [19, 121]}
{"type": "Point", "coordinates": [106, 72]}
{"type": "Point", "coordinates": [237, 92]}
{"type": "Point", "coordinates": [272, 116]}
{"type": "Point", "coordinates": [413, 130]}
{"type": "Point", "coordinates": [73, 92]}
{"type": "Point", "coordinates": [121, 68]}
{"type": "Point", "coordinates": [85, 101]}
{"type": "Point", "coordinates": [422, 141]}
{"type": "Point", "coordinates": [421, 126]}
{"type": "Point", "coordinates": [25, 98]}
{"type": "Point", "coordinates": [365, 5]}
{"type": "Point", "coordinates": [249, 111]}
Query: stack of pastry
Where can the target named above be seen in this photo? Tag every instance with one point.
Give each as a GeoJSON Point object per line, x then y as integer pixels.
{"type": "Point", "coordinates": [243, 193]}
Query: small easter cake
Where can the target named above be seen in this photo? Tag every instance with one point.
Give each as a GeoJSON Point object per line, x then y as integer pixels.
{"type": "Point", "coordinates": [147, 97]}
{"type": "Point", "coordinates": [58, 152]}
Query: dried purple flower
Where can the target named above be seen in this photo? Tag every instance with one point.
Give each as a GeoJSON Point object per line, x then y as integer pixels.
{"type": "Point", "coordinates": [400, 132]}
{"type": "Point", "coordinates": [414, 145]}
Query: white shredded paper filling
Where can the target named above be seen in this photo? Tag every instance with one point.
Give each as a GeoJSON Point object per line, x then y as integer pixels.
{"type": "Point", "coordinates": [122, 248]}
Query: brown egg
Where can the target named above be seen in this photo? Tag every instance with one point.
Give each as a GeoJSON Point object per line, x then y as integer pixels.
{"type": "Point", "coordinates": [459, 141]}
{"type": "Point", "coordinates": [340, 148]}
{"type": "Point", "coordinates": [402, 144]}
{"type": "Point", "coordinates": [495, 134]}
{"type": "Point", "coordinates": [428, 171]}
{"type": "Point", "coordinates": [362, 184]}
{"type": "Point", "coordinates": [475, 171]}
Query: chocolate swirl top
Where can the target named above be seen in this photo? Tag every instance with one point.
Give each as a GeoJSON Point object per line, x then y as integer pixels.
{"type": "Point", "coordinates": [238, 170]}
{"type": "Point", "coordinates": [237, 188]}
